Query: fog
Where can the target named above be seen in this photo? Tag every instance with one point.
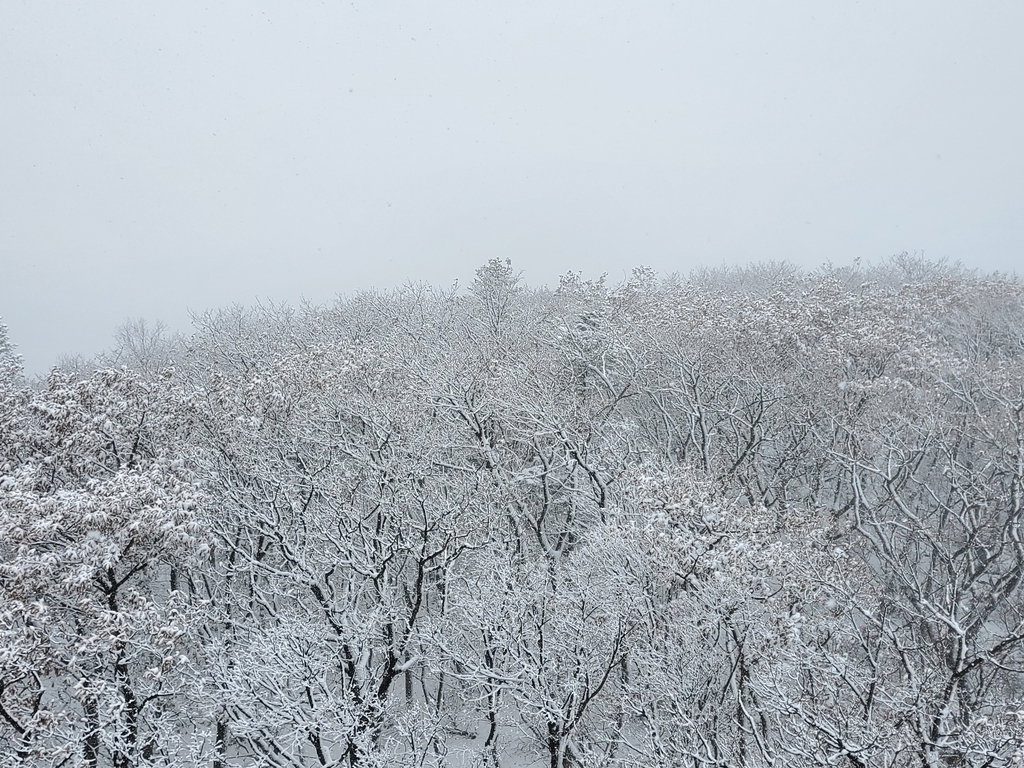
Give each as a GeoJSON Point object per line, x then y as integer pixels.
{"type": "Point", "coordinates": [162, 159]}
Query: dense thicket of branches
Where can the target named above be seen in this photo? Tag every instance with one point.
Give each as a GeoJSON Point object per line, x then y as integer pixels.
{"type": "Point", "coordinates": [755, 517]}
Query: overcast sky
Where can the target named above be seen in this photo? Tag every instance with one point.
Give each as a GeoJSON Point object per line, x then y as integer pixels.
{"type": "Point", "coordinates": [161, 158]}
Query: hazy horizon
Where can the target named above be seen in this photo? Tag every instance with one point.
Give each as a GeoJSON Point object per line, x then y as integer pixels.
{"type": "Point", "coordinates": [159, 160]}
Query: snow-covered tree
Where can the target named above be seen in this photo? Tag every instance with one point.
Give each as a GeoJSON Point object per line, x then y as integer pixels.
{"type": "Point", "coordinates": [95, 519]}
{"type": "Point", "coordinates": [752, 517]}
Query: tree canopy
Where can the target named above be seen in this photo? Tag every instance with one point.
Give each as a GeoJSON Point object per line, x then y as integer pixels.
{"type": "Point", "coordinates": [752, 517]}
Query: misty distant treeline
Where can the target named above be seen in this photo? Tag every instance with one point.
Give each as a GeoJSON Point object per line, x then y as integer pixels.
{"type": "Point", "coordinates": [752, 517]}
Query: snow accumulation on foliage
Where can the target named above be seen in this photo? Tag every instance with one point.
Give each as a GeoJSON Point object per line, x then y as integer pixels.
{"type": "Point", "coordinates": [755, 517]}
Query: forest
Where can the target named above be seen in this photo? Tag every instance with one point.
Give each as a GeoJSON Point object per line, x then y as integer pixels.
{"type": "Point", "coordinates": [750, 516]}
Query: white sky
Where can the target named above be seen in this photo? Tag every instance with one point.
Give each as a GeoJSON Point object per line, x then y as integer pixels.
{"type": "Point", "coordinates": [157, 158]}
